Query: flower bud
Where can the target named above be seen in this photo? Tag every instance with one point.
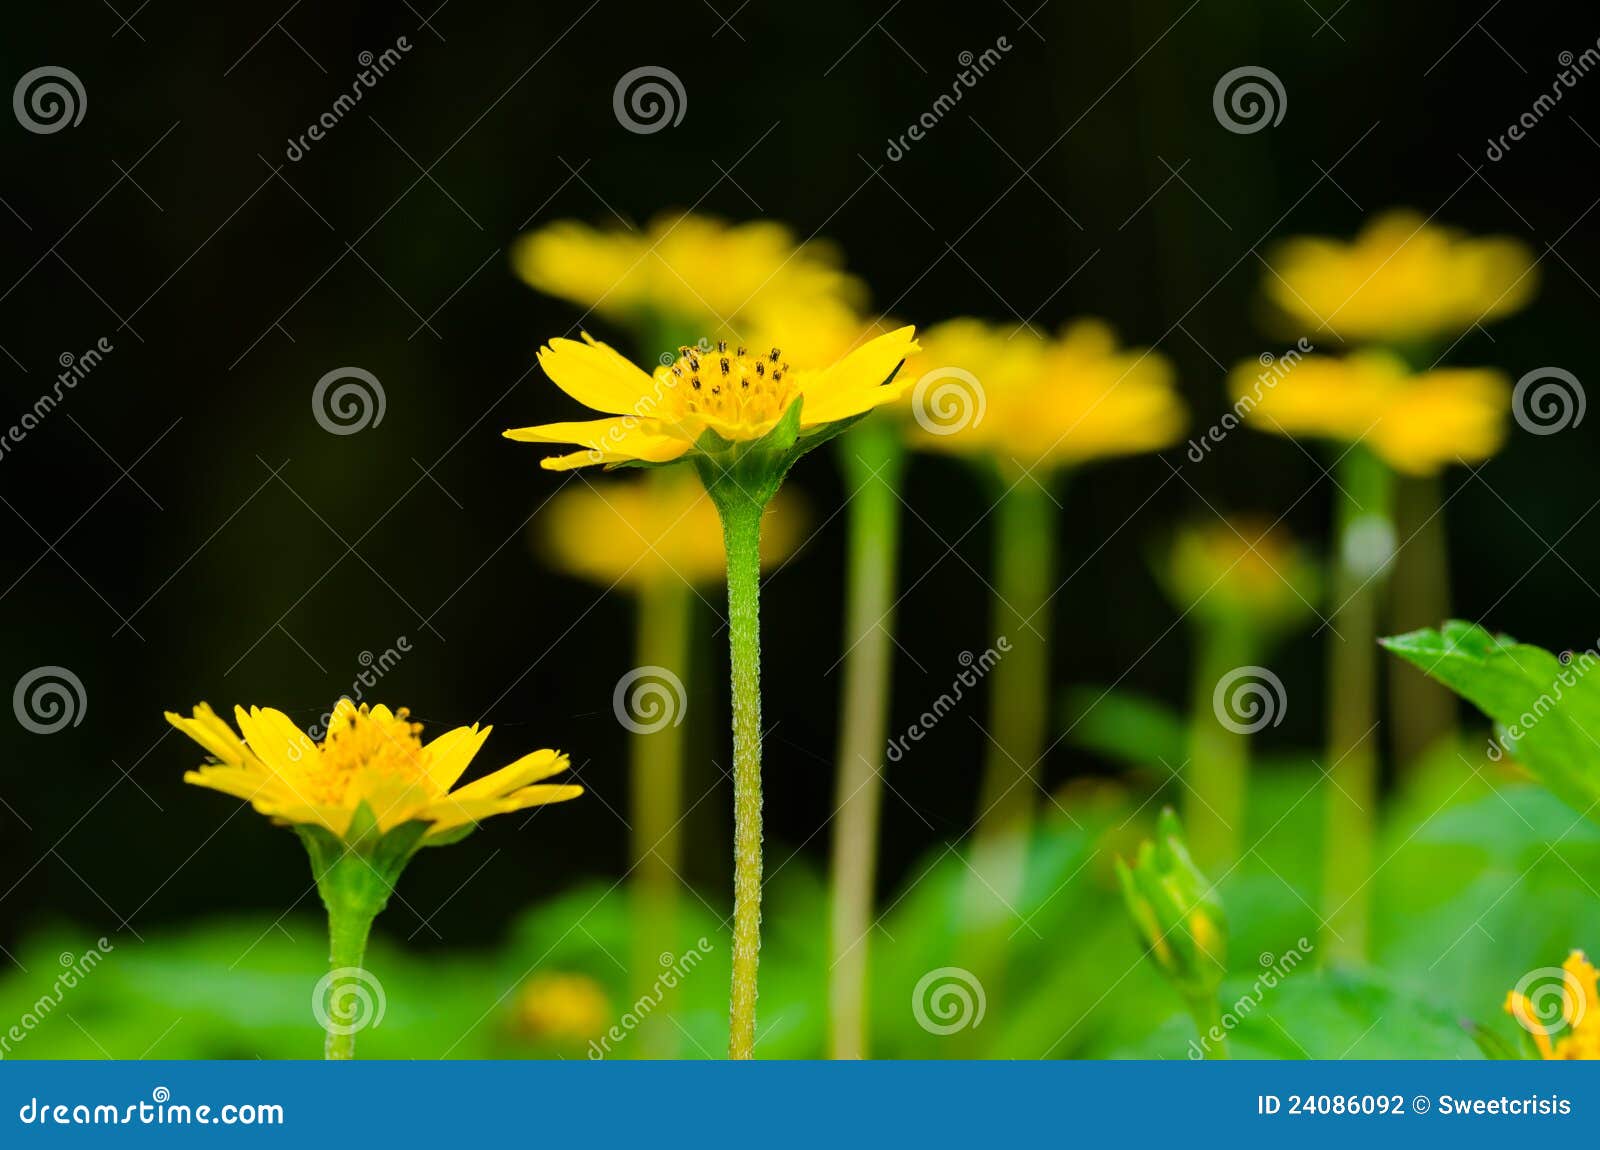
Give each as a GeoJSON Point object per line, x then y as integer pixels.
{"type": "Point", "coordinates": [1176, 911]}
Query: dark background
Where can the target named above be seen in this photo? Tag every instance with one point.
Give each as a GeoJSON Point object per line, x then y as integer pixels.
{"type": "Point", "coordinates": [185, 490]}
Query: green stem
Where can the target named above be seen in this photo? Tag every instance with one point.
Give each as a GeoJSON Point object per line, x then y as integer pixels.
{"type": "Point", "coordinates": [1219, 757]}
{"type": "Point", "coordinates": [741, 531]}
{"type": "Point", "coordinates": [872, 456]}
{"type": "Point", "coordinates": [1422, 712]}
{"type": "Point", "coordinates": [1207, 1012]}
{"type": "Point", "coordinates": [1024, 565]}
{"type": "Point", "coordinates": [348, 929]}
{"type": "Point", "coordinates": [1365, 535]}
{"type": "Point", "coordinates": [656, 799]}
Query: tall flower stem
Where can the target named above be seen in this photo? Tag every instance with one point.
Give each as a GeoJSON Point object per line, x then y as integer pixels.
{"type": "Point", "coordinates": [872, 457]}
{"type": "Point", "coordinates": [656, 761]}
{"type": "Point", "coordinates": [1365, 542]}
{"type": "Point", "coordinates": [1019, 690]}
{"type": "Point", "coordinates": [741, 532]}
{"type": "Point", "coordinates": [1422, 712]}
{"type": "Point", "coordinates": [1207, 1013]}
{"type": "Point", "coordinates": [1219, 757]}
{"type": "Point", "coordinates": [349, 927]}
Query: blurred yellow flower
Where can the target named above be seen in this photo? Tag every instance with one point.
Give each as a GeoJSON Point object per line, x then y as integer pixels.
{"type": "Point", "coordinates": [562, 1007]}
{"type": "Point", "coordinates": [1415, 423]}
{"type": "Point", "coordinates": [1401, 279]}
{"type": "Point", "coordinates": [1006, 393]}
{"type": "Point", "coordinates": [697, 271]}
{"type": "Point", "coordinates": [1579, 1003]}
{"type": "Point", "coordinates": [737, 394]}
{"type": "Point", "coordinates": [1242, 569]}
{"type": "Point", "coordinates": [637, 532]}
{"type": "Point", "coordinates": [371, 756]}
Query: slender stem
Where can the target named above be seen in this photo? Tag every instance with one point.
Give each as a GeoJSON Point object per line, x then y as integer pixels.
{"type": "Point", "coordinates": [871, 455]}
{"type": "Point", "coordinates": [1207, 1012]}
{"type": "Point", "coordinates": [348, 930]}
{"type": "Point", "coordinates": [1422, 712]}
{"type": "Point", "coordinates": [1019, 693]}
{"type": "Point", "coordinates": [1365, 540]}
{"type": "Point", "coordinates": [1219, 757]}
{"type": "Point", "coordinates": [656, 799]}
{"type": "Point", "coordinates": [741, 531]}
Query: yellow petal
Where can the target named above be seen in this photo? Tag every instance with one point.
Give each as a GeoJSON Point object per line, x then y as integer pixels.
{"type": "Point", "coordinates": [870, 364]}
{"type": "Point", "coordinates": [607, 441]}
{"type": "Point", "coordinates": [530, 768]}
{"type": "Point", "coordinates": [213, 734]}
{"type": "Point", "coordinates": [450, 753]}
{"type": "Point", "coordinates": [538, 796]}
{"type": "Point", "coordinates": [284, 748]}
{"type": "Point", "coordinates": [837, 405]}
{"type": "Point", "coordinates": [595, 375]}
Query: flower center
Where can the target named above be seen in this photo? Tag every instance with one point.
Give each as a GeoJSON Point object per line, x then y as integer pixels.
{"type": "Point", "coordinates": [360, 744]}
{"type": "Point", "coordinates": [740, 394]}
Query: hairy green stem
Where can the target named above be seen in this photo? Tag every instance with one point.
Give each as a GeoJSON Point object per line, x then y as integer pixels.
{"type": "Point", "coordinates": [1365, 539]}
{"type": "Point", "coordinates": [348, 929]}
{"type": "Point", "coordinates": [872, 456]}
{"type": "Point", "coordinates": [741, 530]}
{"type": "Point", "coordinates": [656, 761]}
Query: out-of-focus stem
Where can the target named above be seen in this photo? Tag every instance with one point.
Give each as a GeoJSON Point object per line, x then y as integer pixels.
{"type": "Point", "coordinates": [1219, 757]}
{"type": "Point", "coordinates": [1365, 542]}
{"type": "Point", "coordinates": [656, 800]}
{"type": "Point", "coordinates": [871, 456]}
{"type": "Point", "coordinates": [1422, 712]}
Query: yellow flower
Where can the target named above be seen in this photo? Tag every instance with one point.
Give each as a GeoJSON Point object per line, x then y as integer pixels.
{"type": "Point", "coordinates": [1415, 423]}
{"type": "Point", "coordinates": [1242, 569]}
{"type": "Point", "coordinates": [637, 532]}
{"type": "Point", "coordinates": [737, 394]}
{"type": "Point", "coordinates": [1006, 393]}
{"type": "Point", "coordinates": [1401, 279]}
{"type": "Point", "coordinates": [1580, 1013]}
{"type": "Point", "coordinates": [371, 756]}
{"type": "Point", "coordinates": [562, 1007]}
{"type": "Point", "coordinates": [696, 270]}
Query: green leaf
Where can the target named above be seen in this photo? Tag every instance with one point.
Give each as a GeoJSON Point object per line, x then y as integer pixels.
{"type": "Point", "coordinates": [1549, 707]}
{"type": "Point", "coordinates": [1125, 726]}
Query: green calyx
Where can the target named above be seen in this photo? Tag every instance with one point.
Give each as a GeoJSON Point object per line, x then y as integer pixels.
{"type": "Point", "coordinates": [356, 873]}
{"type": "Point", "coordinates": [1176, 912]}
{"type": "Point", "coordinates": [751, 471]}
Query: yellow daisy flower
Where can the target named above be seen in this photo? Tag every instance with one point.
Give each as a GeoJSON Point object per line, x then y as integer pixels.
{"type": "Point", "coordinates": [1580, 1013]}
{"type": "Point", "coordinates": [737, 395]}
{"type": "Point", "coordinates": [1402, 279]}
{"type": "Point", "coordinates": [1004, 392]}
{"type": "Point", "coordinates": [696, 270]}
{"type": "Point", "coordinates": [1415, 423]}
{"type": "Point", "coordinates": [561, 1007]}
{"type": "Point", "coordinates": [371, 756]}
{"type": "Point", "coordinates": [1242, 569]}
{"type": "Point", "coordinates": [637, 532]}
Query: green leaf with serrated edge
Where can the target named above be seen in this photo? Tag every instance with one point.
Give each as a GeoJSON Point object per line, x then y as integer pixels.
{"type": "Point", "coordinates": [1550, 709]}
